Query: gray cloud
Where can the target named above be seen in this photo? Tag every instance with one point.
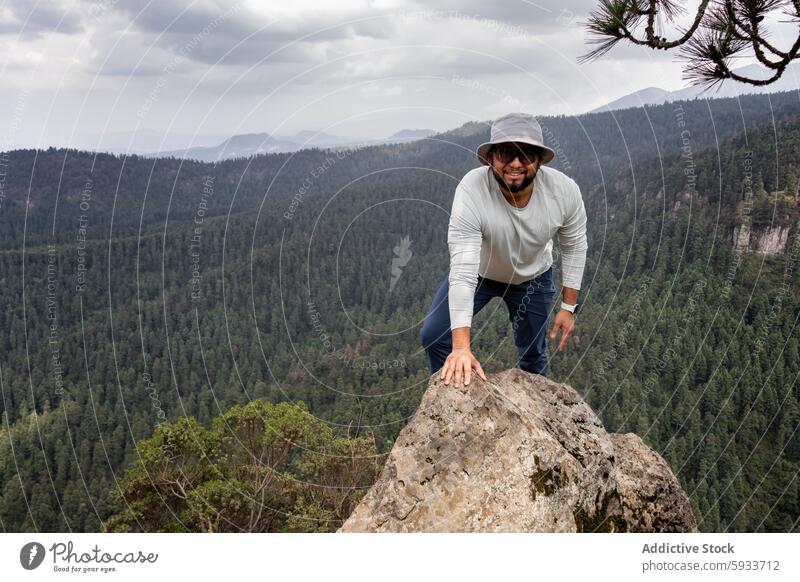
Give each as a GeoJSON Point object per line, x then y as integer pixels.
{"type": "Point", "coordinates": [184, 63]}
{"type": "Point", "coordinates": [531, 16]}
{"type": "Point", "coordinates": [32, 19]}
{"type": "Point", "coordinates": [229, 33]}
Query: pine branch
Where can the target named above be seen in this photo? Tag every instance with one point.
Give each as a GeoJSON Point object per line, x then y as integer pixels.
{"type": "Point", "coordinates": [610, 23]}
{"type": "Point", "coordinates": [721, 31]}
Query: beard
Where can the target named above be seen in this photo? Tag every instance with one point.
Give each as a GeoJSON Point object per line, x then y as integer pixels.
{"type": "Point", "coordinates": [514, 188]}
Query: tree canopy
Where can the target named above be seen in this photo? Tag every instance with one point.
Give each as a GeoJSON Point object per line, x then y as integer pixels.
{"type": "Point", "coordinates": [260, 468]}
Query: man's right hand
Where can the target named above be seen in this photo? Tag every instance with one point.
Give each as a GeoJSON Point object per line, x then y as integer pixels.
{"type": "Point", "coordinates": [458, 365]}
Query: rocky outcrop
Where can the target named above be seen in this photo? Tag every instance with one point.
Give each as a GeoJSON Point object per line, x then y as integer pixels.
{"type": "Point", "coordinates": [766, 240]}
{"type": "Point", "coordinates": [518, 453]}
{"type": "Point", "coordinates": [652, 498]}
{"type": "Point", "coordinates": [741, 237]}
{"type": "Point", "coordinates": [772, 241]}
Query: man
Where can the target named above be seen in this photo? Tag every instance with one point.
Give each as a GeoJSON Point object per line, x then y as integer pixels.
{"type": "Point", "coordinates": [502, 223]}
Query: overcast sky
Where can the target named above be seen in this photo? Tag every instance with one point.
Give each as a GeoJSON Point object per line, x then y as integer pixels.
{"type": "Point", "coordinates": [74, 69]}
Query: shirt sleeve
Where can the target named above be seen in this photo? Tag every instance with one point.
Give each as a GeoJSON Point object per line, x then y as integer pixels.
{"type": "Point", "coordinates": [464, 237]}
{"type": "Point", "coordinates": [572, 242]}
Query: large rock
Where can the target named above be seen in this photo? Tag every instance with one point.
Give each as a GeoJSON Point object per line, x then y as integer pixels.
{"type": "Point", "coordinates": [518, 453]}
{"type": "Point", "coordinates": [652, 498]}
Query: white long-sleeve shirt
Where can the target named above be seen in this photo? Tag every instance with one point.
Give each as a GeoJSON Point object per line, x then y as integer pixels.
{"type": "Point", "coordinates": [488, 236]}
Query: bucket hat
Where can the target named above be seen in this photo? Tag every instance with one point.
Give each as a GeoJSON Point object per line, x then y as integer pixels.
{"type": "Point", "coordinates": [516, 127]}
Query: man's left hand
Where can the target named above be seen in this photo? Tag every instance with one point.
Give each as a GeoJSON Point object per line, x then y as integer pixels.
{"type": "Point", "coordinates": [565, 321]}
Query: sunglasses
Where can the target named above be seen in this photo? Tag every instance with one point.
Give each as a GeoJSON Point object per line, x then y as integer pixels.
{"type": "Point", "coordinates": [506, 153]}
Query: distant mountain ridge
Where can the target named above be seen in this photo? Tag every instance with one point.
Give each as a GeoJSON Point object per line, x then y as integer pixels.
{"type": "Point", "coordinates": [251, 144]}
{"type": "Point", "coordinates": [789, 81]}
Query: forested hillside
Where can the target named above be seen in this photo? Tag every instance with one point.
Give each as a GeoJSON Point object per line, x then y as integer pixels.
{"type": "Point", "coordinates": [137, 291]}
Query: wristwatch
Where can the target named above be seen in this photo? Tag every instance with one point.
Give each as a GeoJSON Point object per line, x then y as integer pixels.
{"type": "Point", "coordinates": [573, 309]}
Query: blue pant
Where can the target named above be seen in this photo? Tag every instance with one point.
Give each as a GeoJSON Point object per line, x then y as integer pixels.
{"type": "Point", "coordinates": [528, 306]}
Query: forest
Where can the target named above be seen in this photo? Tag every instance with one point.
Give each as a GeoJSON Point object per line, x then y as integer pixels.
{"type": "Point", "coordinates": [146, 300]}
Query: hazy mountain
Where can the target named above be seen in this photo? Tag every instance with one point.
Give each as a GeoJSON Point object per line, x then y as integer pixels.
{"type": "Point", "coordinates": [310, 138]}
{"type": "Point", "coordinates": [649, 96]}
{"type": "Point", "coordinates": [246, 145]}
{"type": "Point", "coordinates": [143, 141]}
{"type": "Point", "coordinates": [789, 81]}
{"type": "Point", "coordinates": [412, 134]}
